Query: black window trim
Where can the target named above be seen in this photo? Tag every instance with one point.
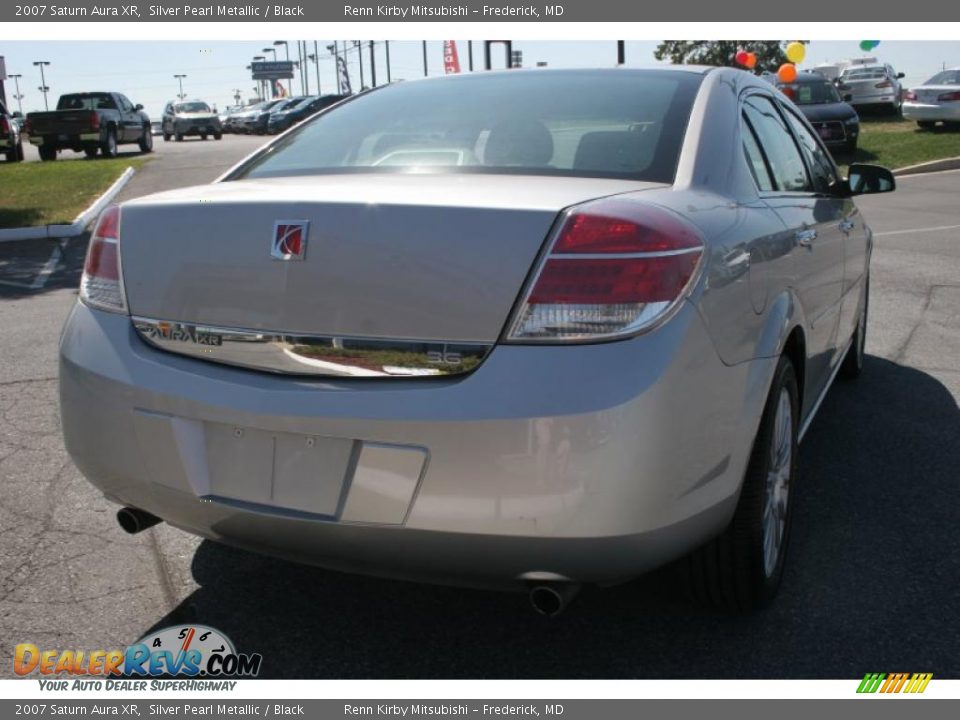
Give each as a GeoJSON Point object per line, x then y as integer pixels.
{"type": "Point", "coordinates": [806, 124]}
{"type": "Point", "coordinates": [757, 92]}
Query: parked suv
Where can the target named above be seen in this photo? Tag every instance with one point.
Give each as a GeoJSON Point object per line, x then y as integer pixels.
{"type": "Point", "coordinates": [193, 117]}
{"type": "Point", "coordinates": [835, 121]}
{"type": "Point", "coordinates": [871, 86]}
{"type": "Point", "coordinates": [11, 146]}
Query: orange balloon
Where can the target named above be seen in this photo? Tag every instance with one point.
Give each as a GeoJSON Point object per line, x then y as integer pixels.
{"type": "Point", "coordinates": [787, 73]}
{"type": "Point", "coordinates": [751, 60]}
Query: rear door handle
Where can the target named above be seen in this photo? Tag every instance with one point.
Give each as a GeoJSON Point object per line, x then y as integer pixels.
{"type": "Point", "coordinates": [805, 238]}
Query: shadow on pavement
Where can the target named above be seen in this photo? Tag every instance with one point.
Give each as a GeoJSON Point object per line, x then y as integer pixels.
{"type": "Point", "coordinates": [871, 584]}
{"type": "Point", "coordinates": [22, 262]}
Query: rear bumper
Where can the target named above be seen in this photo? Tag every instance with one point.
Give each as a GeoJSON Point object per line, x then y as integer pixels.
{"type": "Point", "coordinates": [931, 113]}
{"type": "Point", "coordinates": [65, 140]}
{"type": "Point", "coordinates": [594, 462]}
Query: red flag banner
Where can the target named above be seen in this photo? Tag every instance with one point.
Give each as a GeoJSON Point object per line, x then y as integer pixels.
{"type": "Point", "coordinates": [451, 62]}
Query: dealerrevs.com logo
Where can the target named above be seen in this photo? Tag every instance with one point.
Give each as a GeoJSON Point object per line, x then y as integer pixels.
{"type": "Point", "coordinates": [911, 683]}
{"type": "Point", "coordinates": [183, 651]}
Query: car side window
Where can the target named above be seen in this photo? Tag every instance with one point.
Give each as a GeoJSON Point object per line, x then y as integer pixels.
{"type": "Point", "coordinates": [755, 159]}
{"type": "Point", "coordinates": [773, 135]}
{"type": "Point", "coordinates": [824, 174]}
{"type": "Point", "coordinates": [125, 104]}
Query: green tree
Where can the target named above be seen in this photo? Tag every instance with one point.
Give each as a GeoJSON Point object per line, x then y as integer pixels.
{"type": "Point", "coordinates": [770, 53]}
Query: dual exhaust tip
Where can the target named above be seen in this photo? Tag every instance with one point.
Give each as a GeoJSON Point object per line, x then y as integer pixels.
{"type": "Point", "coordinates": [548, 598]}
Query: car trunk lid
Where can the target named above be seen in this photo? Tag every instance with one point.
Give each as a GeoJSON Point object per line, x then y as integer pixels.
{"type": "Point", "coordinates": [410, 257]}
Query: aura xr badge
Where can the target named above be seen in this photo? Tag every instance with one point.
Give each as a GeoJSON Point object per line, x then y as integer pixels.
{"type": "Point", "coordinates": [289, 240]}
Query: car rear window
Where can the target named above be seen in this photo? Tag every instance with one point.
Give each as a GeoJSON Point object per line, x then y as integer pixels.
{"type": "Point", "coordinates": [87, 101]}
{"type": "Point", "coordinates": [192, 107]}
{"type": "Point", "coordinates": [864, 74]}
{"type": "Point", "coordinates": [620, 123]}
{"type": "Point", "coordinates": [811, 93]}
{"type": "Point", "coordinates": [947, 77]}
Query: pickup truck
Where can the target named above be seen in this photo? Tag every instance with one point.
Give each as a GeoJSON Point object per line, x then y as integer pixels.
{"type": "Point", "coordinates": [10, 144]}
{"type": "Point", "coordinates": [90, 122]}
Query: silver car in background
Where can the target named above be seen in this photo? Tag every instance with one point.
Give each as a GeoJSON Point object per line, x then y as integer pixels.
{"type": "Point", "coordinates": [871, 87]}
{"type": "Point", "coordinates": [194, 117]}
{"type": "Point", "coordinates": [937, 100]}
{"type": "Point", "coordinates": [520, 329]}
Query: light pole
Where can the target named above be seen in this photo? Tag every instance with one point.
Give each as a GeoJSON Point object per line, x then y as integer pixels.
{"type": "Point", "coordinates": [316, 63]}
{"type": "Point", "coordinates": [373, 66]}
{"type": "Point", "coordinates": [180, 80]}
{"type": "Point", "coordinates": [286, 48]}
{"type": "Point", "coordinates": [43, 82]}
{"type": "Point", "coordinates": [424, 58]}
{"type": "Point", "coordinates": [359, 47]}
{"type": "Point", "coordinates": [271, 50]}
{"type": "Point", "coordinates": [386, 44]}
{"type": "Point", "coordinates": [236, 96]}
{"type": "Point", "coordinates": [18, 96]}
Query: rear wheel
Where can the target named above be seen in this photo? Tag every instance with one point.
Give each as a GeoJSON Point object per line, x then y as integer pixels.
{"type": "Point", "coordinates": [217, 136]}
{"type": "Point", "coordinates": [15, 154]}
{"type": "Point", "coordinates": [166, 137]}
{"type": "Point", "coordinates": [203, 136]}
{"type": "Point", "coordinates": [109, 145]}
{"type": "Point", "coordinates": [179, 137]}
{"type": "Point", "coordinates": [741, 569]}
{"type": "Point", "coordinates": [853, 361]}
{"type": "Point", "coordinates": [926, 124]}
{"type": "Point", "coordinates": [91, 151]}
{"type": "Point", "coordinates": [146, 140]}
{"type": "Point", "coordinates": [47, 153]}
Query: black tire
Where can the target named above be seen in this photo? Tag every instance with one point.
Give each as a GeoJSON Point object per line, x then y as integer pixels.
{"type": "Point", "coordinates": [852, 366]}
{"type": "Point", "coordinates": [15, 154]}
{"type": "Point", "coordinates": [926, 124]}
{"type": "Point", "coordinates": [179, 137]}
{"type": "Point", "coordinates": [733, 571]}
{"type": "Point", "coordinates": [91, 151]}
{"type": "Point", "coordinates": [109, 146]}
{"type": "Point", "coordinates": [218, 136]}
{"type": "Point", "coordinates": [48, 153]}
{"type": "Point", "coordinates": [166, 137]}
{"type": "Point", "coordinates": [203, 136]}
{"type": "Point", "coordinates": [146, 140]}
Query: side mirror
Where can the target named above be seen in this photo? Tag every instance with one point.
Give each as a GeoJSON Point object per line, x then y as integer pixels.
{"type": "Point", "coordinates": [138, 107]}
{"type": "Point", "coordinates": [848, 97]}
{"type": "Point", "coordinates": [870, 179]}
{"type": "Point", "coordinates": [900, 75]}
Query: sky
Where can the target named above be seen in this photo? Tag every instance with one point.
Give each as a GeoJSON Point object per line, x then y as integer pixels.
{"type": "Point", "coordinates": [144, 70]}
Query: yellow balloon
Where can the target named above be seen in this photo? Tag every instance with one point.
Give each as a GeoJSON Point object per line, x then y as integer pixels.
{"type": "Point", "coordinates": [796, 52]}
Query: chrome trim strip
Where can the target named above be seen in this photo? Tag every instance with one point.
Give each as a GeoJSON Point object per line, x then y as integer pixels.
{"type": "Point", "coordinates": [315, 355]}
{"type": "Point", "coordinates": [623, 256]}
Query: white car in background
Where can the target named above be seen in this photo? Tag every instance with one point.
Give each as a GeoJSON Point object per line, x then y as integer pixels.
{"type": "Point", "coordinates": [937, 100]}
{"type": "Point", "coordinates": [871, 86]}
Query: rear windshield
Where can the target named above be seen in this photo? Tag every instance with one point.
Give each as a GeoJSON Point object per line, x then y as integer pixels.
{"type": "Point", "coordinates": [618, 123]}
{"type": "Point", "coordinates": [192, 107]}
{"type": "Point", "coordinates": [947, 77]}
{"type": "Point", "coordinates": [811, 93]}
{"type": "Point", "coordinates": [87, 101]}
{"type": "Point", "coordinates": [864, 74]}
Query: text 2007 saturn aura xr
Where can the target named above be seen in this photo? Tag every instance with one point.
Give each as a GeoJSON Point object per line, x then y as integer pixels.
{"type": "Point", "coordinates": [532, 329]}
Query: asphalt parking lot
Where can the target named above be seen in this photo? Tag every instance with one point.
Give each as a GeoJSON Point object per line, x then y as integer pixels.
{"type": "Point", "coordinates": [871, 584]}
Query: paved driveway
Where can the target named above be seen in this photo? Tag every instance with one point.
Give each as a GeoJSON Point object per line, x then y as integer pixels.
{"type": "Point", "coordinates": [871, 585]}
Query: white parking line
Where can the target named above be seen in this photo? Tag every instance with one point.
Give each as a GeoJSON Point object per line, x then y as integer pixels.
{"type": "Point", "coordinates": [916, 230]}
{"type": "Point", "coordinates": [45, 272]}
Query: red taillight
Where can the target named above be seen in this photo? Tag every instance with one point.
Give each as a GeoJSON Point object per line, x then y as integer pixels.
{"type": "Point", "coordinates": [94, 120]}
{"type": "Point", "coordinates": [102, 282]}
{"type": "Point", "coordinates": [4, 125]}
{"type": "Point", "coordinates": [884, 84]}
{"type": "Point", "coordinates": [910, 95]}
{"type": "Point", "coordinates": [614, 268]}
{"type": "Point", "coordinates": [949, 97]}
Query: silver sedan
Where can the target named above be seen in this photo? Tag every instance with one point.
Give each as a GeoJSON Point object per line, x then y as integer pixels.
{"type": "Point", "coordinates": [526, 329]}
{"type": "Point", "coordinates": [937, 100]}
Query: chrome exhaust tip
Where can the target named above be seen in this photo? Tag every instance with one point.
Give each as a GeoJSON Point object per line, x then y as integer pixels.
{"type": "Point", "coordinates": [134, 520]}
{"type": "Point", "coordinates": [551, 600]}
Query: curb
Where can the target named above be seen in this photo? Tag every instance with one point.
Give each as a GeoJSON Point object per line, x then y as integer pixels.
{"type": "Point", "coordinates": [77, 226]}
{"type": "Point", "coordinates": [929, 167]}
